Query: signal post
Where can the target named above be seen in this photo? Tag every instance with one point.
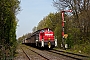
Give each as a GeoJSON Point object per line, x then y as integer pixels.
{"type": "Point", "coordinates": [63, 35]}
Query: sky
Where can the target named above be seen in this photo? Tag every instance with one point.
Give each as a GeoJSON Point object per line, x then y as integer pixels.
{"type": "Point", "coordinates": [32, 12]}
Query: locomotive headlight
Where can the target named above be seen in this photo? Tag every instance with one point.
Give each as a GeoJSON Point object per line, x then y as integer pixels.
{"type": "Point", "coordinates": [49, 44]}
{"type": "Point", "coordinates": [48, 38]}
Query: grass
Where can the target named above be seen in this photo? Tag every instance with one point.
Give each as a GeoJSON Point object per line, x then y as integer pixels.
{"type": "Point", "coordinates": [79, 49]}
{"type": "Point", "coordinates": [82, 49]}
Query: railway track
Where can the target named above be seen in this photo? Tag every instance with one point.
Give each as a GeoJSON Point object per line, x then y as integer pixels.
{"type": "Point", "coordinates": [70, 55]}
{"type": "Point", "coordinates": [39, 54]}
{"type": "Point", "coordinates": [50, 54]}
{"type": "Point", "coordinates": [42, 53]}
{"type": "Point", "coordinates": [36, 55]}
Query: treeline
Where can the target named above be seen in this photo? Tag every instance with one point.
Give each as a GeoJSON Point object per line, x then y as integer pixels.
{"type": "Point", "coordinates": [8, 23]}
{"type": "Point", "coordinates": [77, 24]}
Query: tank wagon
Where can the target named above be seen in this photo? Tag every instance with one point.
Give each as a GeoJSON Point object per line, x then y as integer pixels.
{"type": "Point", "coordinates": [42, 38]}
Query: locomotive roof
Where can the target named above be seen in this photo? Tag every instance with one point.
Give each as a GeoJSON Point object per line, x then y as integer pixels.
{"type": "Point", "coordinates": [42, 29]}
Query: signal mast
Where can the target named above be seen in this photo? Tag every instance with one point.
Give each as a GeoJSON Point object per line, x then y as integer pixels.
{"type": "Point", "coordinates": [63, 44]}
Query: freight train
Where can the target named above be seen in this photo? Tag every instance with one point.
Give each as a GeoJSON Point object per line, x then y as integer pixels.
{"type": "Point", "coordinates": [42, 38]}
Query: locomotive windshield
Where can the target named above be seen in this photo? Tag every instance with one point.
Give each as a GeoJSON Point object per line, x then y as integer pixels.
{"type": "Point", "coordinates": [42, 30]}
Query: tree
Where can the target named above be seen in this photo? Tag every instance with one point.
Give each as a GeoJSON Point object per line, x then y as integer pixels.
{"type": "Point", "coordinates": [8, 23]}
{"type": "Point", "coordinates": [34, 29]}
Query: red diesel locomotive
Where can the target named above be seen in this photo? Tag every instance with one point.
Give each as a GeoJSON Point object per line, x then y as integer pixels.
{"type": "Point", "coordinates": [42, 38]}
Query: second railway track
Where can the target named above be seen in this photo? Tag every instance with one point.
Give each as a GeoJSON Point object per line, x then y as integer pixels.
{"type": "Point", "coordinates": [26, 54]}
{"type": "Point", "coordinates": [70, 55]}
